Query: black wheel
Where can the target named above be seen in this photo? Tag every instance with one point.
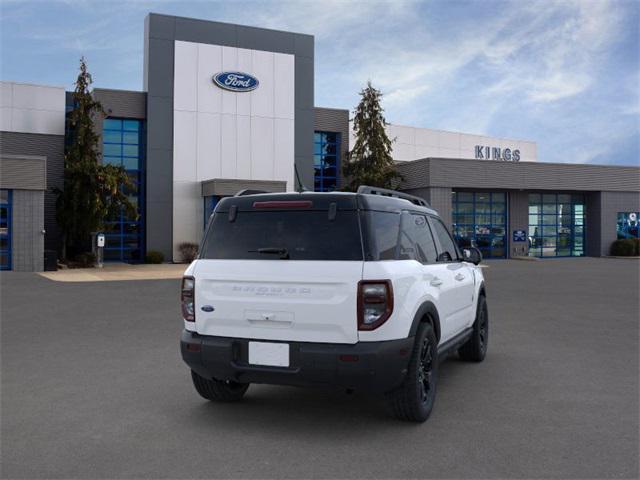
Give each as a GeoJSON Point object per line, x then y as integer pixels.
{"type": "Point", "coordinates": [475, 349]}
{"type": "Point", "coordinates": [218, 390]}
{"type": "Point", "coordinates": [413, 400]}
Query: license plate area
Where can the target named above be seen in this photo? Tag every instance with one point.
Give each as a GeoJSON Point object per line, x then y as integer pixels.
{"type": "Point", "coordinates": [269, 354]}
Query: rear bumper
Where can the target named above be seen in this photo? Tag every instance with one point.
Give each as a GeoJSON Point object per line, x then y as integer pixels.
{"type": "Point", "coordinates": [371, 366]}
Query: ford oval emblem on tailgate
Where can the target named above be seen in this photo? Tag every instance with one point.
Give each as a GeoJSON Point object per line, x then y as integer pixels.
{"type": "Point", "coordinates": [207, 308]}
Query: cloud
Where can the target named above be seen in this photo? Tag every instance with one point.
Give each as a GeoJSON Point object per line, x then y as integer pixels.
{"type": "Point", "coordinates": [556, 54]}
{"type": "Point", "coordinates": [330, 17]}
{"type": "Point", "coordinates": [564, 73]}
{"type": "Point", "coordinates": [543, 54]}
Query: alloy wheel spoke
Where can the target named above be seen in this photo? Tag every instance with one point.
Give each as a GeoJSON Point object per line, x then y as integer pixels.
{"type": "Point", "coordinates": [424, 369]}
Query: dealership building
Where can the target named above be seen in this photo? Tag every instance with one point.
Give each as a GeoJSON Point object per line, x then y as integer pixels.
{"type": "Point", "coordinates": [228, 107]}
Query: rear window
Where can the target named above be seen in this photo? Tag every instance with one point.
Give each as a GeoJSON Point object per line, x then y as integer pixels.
{"type": "Point", "coordinates": [278, 234]}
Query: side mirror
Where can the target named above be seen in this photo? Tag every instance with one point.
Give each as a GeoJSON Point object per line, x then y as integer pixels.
{"type": "Point", "coordinates": [472, 255]}
{"type": "Point", "coordinates": [444, 257]}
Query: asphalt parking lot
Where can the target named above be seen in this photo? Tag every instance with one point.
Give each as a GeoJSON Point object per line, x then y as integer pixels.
{"type": "Point", "coordinates": [93, 387]}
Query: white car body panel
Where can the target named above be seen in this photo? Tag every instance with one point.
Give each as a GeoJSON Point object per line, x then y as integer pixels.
{"type": "Point", "coordinates": [405, 276]}
{"type": "Point", "coordinates": [455, 300]}
{"type": "Point", "coordinates": [456, 295]}
{"type": "Point", "coordinates": [285, 300]}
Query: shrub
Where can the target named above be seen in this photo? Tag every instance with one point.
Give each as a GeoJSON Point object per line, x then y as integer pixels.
{"type": "Point", "coordinates": [153, 256]}
{"type": "Point", "coordinates": [85, 260]}
{"type": "Point", "coordinates": [628, 247]}
{"type": "Point", "coordinates": [188, 251]}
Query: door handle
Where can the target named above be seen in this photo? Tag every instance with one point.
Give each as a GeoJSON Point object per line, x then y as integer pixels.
{"type": "Point", "coordinates": [436, 282]}
{"type": "Point", "coordinates": [459, 277]}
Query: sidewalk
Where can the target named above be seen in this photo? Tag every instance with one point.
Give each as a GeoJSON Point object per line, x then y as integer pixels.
{"type": "Point", "coordinates": [118, 272]}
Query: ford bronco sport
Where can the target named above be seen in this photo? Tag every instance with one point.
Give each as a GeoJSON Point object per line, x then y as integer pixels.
{"type": "Point", "coordinates": [359, 290]}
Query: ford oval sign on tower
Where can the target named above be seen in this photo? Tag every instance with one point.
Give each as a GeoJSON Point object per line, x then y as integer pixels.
{"type": "Point", "coordinates": [236, 81]}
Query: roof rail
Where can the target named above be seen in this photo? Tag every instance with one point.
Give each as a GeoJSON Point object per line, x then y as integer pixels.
{"type": "Point", "coordinates": [248, 191]}
{"type": "Point", "coordinates": [385, 192]}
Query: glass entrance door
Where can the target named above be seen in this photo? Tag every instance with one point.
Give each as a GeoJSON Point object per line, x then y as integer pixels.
{"type": "Point", "coordinates": [556, 225]}
{"type": "Point", "coordinates": [5, 229]}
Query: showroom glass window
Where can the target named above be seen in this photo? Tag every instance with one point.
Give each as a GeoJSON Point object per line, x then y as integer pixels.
{"type": "Point", "coordinates": [479, 219]}
{"type": "Point", "coordinates": [326, 161]}
{"type": "Point", "coordinates": [556, 225]}
{"type": "Point", "coordinates": [123, 145]}
{"type": "Point", "coordinates": [210, 203]}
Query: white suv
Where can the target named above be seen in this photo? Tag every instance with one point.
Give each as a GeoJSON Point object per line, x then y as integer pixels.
{"type": "Point", "coordinates": [359, 290]}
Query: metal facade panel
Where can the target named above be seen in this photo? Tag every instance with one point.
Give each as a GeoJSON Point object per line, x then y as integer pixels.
{"type": "Point", "coordinates": [122, 103]}
{"type": "Point", "coordinates": [159, 45]}
{"type": "Point", "coordinates": [203, 31]}
{"type": "Point", "coordinates": [227, 186]}
{"type": "Point", "coordinates": [518, 205]}
{"type": "Point", "coordinates": [472, 174]}
{"type": "Point", "coordinates": [23, 172]}
{"type": "Point", "coordinates": [440, 201]}
{"type": "Point", "coordinates": [488, 174]}
{"type": "Point", "coordinates": [412, 143]}
{"type": "Point", "coordinates": [415, 175]}
{"type": "Point", "coordinates": [332, 120]}
{"type": "Point", "coordinates": [593, 227]}
{"type": "Point", "coordinates": [28, 108]}
{"type": "Point", "coordinates": [51, 147]}
{"type": "Point", "coordinates": [304, 113]}
{"type": "Point", "coordinates": [264, 39]}
{"type": "Point", "coordinates": [27, 240]}
{"type": "Point", "coordinates": [303, 45]}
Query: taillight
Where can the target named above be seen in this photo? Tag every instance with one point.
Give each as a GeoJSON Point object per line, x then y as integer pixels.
{"type": "Point", "coordinates": [375, 303]}
{"type": "Point", "coordinates": [187, 299]}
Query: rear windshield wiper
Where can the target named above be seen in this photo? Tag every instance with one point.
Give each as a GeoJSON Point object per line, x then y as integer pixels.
{"type": "Point", "coordinates": [283, 252]}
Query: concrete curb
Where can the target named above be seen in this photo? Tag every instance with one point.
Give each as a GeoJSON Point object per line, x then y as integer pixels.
{"type": "Point", "coordinates": [118, 272]}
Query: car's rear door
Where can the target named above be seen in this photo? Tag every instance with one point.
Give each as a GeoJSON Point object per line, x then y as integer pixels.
{"type": "Point", "coordinates": [281, 271]}
{"type": "Point", "coordinates": [457, 278]}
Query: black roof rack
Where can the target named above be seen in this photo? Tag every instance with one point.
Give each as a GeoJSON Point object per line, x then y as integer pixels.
{"type": "Point", "coordinates": [385, 192]}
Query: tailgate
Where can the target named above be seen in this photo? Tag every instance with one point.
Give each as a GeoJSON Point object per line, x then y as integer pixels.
{"type": "Point", "coordinates": [288, 300]}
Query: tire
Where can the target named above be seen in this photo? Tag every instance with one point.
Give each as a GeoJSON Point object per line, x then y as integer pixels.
{"type": "Point", "coordinates": [475, 349]}
{"type": "Point", "coordinates": [413, 400]}
{"type": "Point", "coordinates": [218, 390]}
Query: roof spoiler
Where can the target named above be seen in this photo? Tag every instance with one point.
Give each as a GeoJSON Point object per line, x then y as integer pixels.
{"type": "Point", "coordinates": [385, 192]}
{"type": "Point", "coordinates": [249, 191]}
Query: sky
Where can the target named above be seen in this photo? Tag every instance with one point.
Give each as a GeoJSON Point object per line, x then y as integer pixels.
{"type": "Point", "coordinates": [565, 74]}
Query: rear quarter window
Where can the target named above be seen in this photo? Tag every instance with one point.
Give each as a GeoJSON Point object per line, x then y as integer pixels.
{"type": "Point", "coordinates": [383, 233]}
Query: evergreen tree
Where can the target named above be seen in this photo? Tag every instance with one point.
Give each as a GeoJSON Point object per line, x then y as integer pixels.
{"type": "Point", "coordinates": [92, 191]}
{"type": "Point", "coordinates": [370, 161]}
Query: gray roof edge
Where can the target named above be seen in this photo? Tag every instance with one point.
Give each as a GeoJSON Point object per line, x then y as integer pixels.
{"type": "Point", "coordinates": [226, 23]}
{"type": "Point", "coordinates": [479, 161]}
